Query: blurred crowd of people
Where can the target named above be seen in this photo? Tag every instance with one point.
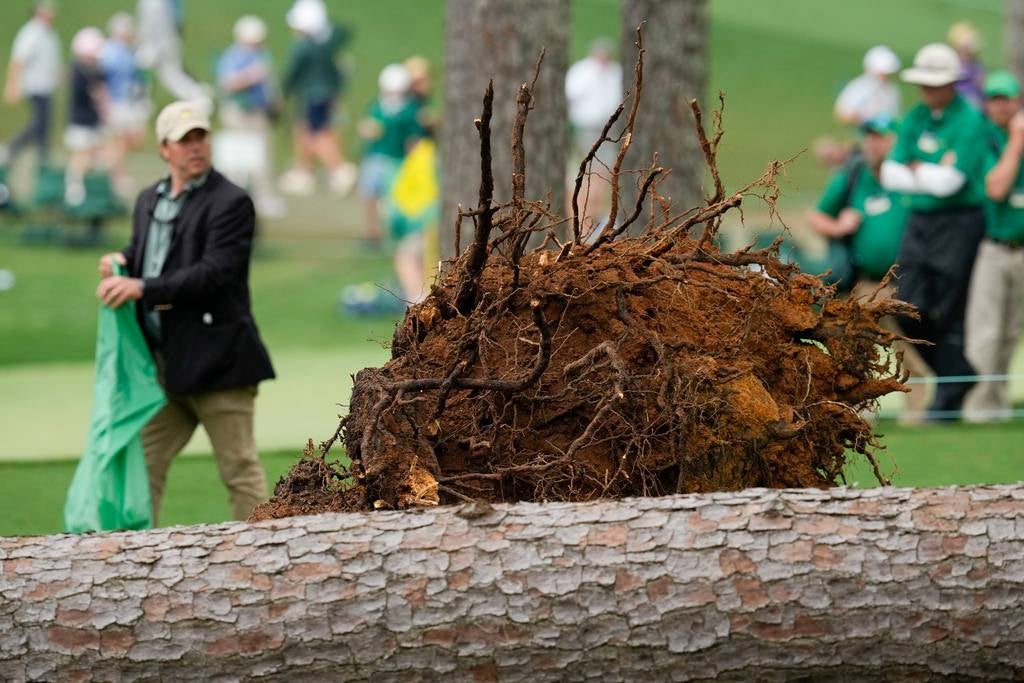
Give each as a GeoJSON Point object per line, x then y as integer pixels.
{"type": "Point", "coordinates": [940, 195]}
{"type": "Point", "coordinates": [111, 79]}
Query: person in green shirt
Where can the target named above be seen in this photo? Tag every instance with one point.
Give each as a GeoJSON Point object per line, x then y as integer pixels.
{"type": "Point", "coordinates": [865, 222]}
{"type": "Point", "coordinates": [388, 130]}
{"type": "Point", "coordinates": [995, 300]}
{"type": "Point", "coordinates": [937, 162]}
{"type": "Point", "coordinates": [314, 80]}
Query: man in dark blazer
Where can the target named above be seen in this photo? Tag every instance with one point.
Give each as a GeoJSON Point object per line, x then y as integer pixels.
{"type": "Point", "coordinates": [188, 267]}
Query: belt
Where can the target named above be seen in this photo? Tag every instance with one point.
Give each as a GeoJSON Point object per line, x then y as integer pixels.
{"type": "Point", "coordinates": [1009, 244]}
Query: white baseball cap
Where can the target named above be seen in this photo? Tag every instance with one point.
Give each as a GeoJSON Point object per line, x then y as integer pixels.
{"type": "Point", "coordinates": [881, 60]}
{"type": "Point", "coordinates": [394, 79]}
{"type": "Point", "coordinates": [87, 42]}
{"type": "Point", "coordinates": [250, 30]}
{"type": "Point", "coordinates": [178, 118]}
{"type": "Point", "coordinates": [308, 16]}
{"type": "Point", "coordinates": [935, 64]}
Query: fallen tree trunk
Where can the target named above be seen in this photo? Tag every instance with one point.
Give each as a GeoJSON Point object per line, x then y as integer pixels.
{"type": "Point", "coordinates": [878, 584]}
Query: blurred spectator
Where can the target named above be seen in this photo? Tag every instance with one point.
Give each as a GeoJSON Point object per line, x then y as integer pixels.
{"type": "Point", "coordinates": [864, 224]}
{"type": "Point", "coordinates": [593, 90]}
{"type": "Point", "coordinates": [421, 89]}
{"type": "Point", "coordinates": [159, 50]}
{"type": "Point", "coordinates": [938, 162]}
{"type": "Point", "coordinates": [242, 149]}
{"type": "Point", "coordinates": [965, 40]}
{"type": "Point", "coordinates": [33, 74]}
{"type": "Point", "coordinates": [995, 304]}
{"type": "Point", "coordinates": [388, 130]}
{"type": "Point", "coordinates": [129, 107]}
{"type": "Point", "coordinates": [87, 103]}
{"type": "Point", "coordinates": [313, 78]}
{"type": "Point", "coordinates": [872, 93]}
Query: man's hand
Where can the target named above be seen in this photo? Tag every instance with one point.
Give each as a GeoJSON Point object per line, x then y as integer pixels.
{"type": "Point", "coordinates": [107, 262]}
{"type": "Point", "coordinates": [848, 221]}
{"type": "Point", "coordinates": [115, 290]}
{"type": "Point", "coordinates": [12, 93]}
{"type": "Point", "coordinates": [1016, 126]}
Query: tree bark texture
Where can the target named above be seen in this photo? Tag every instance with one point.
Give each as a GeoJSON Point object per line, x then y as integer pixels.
{"type": "Point", "coordinates": [767, 585]}
{"type": "Point", "coordinates": [675, 38]}
{"type": "Point", "coordinates": [501, 40]}
{"type": "Point", "coordinates": [1013, 37]}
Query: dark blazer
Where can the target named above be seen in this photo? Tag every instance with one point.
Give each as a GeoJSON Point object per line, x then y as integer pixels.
{"type": "Point", "coordinates": [209, 340]}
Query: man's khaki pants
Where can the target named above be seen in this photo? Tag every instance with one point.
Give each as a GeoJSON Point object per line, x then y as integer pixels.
{"type": "Point", "coordinates": [227, 417]}
{"type": "Point", "coordinates": [995, 304]}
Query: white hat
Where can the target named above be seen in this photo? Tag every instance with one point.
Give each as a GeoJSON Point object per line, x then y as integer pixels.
{"type": "Point", "coordinates": [250, 30]}
{"type": "Point", "coordinates": [308, 16]}
{"type": "Point", "coordinates": [935, 64]}
{"type": "Point", "coordinates": [178, 118]}
{"type": "Point", "coordinates": [87, 42]}
{"type": "Point", "coordinates": [881, 60]}
{"type": "Point", "coordinates": [394, 79]}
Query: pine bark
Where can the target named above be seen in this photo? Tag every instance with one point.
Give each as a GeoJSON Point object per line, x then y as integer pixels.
{"type": "Point", "coordinates": [675, 39]}
{"type": "Point", "coordinates": [880, 584]}
{"type": "Point", "coordinates": [1013, 37]}
{"type": "Point", "coordinates": [501, 40]}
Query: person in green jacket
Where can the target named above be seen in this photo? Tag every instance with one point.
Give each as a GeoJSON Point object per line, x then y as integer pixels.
{"type": "Point", "coordinates": [868, 220]}
{"type": "Point", "coordinates": [937, 162]}
{"type": "Point", "coordinates": [313, 79]}
{"type": "Point", "coordinates": [995, 301]}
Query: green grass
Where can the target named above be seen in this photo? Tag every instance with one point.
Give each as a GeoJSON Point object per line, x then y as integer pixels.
{"type": "Point", "coordinates": [194, 495]}
{"type": "Point", "coordinates": [50, 314]}
{"type": "Point", "coordinates": [920, 456]}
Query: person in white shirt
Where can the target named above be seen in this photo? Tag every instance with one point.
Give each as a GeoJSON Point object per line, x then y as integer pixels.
{"type": "Point", "coordinates": [33, 74]}
{"type": "Point", "coordinates": [872, 94]}
{"type": "Point", "coordinates": [593, 90]}
{"type": "Point", "coordinates": [159, 50]}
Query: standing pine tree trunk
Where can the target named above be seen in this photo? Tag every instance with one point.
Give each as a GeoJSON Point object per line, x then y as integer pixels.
{"type": "Point", "coordinates": [1013, 37]}
{"type": "Point", "coordinates": [675, 38]}
{"type": "Point", "coordinates": [501, 39]}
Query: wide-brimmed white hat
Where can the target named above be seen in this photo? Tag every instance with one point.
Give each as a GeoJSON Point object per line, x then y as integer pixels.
{"type": "Point", "coordinates": [935, 64]}
{"type": "Point", "coordinates": [308, 16]}
{"type": "Point", "coordinates": [881, 60]}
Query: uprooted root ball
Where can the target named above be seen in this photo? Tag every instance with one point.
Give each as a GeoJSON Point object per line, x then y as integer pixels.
{"type": "Point", "coordinates": [607, 367]}
{"type": "Point", "coordinates": [685, 372]}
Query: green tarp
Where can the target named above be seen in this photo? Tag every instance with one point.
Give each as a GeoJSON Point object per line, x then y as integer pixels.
{"type": "Point", "coordinates": [110, 489]}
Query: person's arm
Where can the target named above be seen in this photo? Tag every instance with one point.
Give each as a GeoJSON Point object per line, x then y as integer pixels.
{"type": "Point", "coordinates": [1002, 176]}
{"type": "Point", "coordinates": [848, 103]}
{"type": "Point", "coordinates": [846, 223]}
{"type": "Point", "coordinates": [296, 62]}
{"type": "Point", "coordinates": [833, 217]}
{"type": "Point", "coordinates": [897, 177]}
{"type": "Point", "coordinates": [225, 258]}
{"type": "Point", "coordinates": [235, 80]}
{"type": "Point", "coordinates": [12, 86]}
{"type": "Point", "coordinates": [939, 180]}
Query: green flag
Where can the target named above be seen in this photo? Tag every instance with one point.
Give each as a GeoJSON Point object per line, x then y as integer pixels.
{"type": "Point", "coordinates": [110, 489]}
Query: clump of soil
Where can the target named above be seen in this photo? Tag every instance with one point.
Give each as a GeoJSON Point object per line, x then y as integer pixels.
{"type": "Point", "coordinates": [616, 366]}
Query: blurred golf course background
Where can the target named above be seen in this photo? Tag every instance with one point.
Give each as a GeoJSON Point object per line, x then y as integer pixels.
{"type": "Point", "coordinates": [780, 64]}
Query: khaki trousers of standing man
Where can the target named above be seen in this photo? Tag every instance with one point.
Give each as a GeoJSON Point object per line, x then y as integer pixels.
{"type": "Point", "coordinates": [227, 417]}
{"type": "Point", "coordinates": [995, 309]}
